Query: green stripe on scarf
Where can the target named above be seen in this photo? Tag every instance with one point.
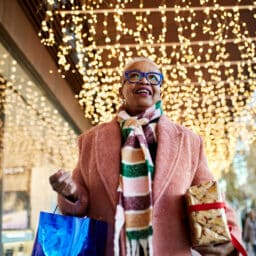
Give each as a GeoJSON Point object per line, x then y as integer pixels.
{"type": "Point", "coordinates": [125, 132]}
{"type": "Point", "coordinates": [140, 234]}
{"type": "Point", "coordinates": [136, 170]}
{"type": "Point", "coordinates": [158, 106]}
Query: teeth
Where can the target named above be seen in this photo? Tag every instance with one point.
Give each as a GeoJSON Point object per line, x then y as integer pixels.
{"type": "Point", "coordinates": [142, 91]}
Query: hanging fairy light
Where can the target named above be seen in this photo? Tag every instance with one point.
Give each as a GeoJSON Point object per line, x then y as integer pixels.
{"type": "Point", "coordinates": [207, 55]}
{"type": "Point", "coordinates": [33, 132]}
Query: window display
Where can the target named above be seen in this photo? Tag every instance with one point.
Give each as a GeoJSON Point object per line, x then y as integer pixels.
{"type": "Point", "coordinates": [15, 210]}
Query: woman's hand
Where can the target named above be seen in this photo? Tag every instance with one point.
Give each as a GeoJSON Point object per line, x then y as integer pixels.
{"type": "Point", "coordinates": [220, 249]}
{"type": "Point", "coordinates": [62, 183]}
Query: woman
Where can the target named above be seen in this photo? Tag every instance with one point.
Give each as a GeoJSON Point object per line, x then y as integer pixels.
{"type": "Point", "coordinates": [250, 230]}
{"type": "Point", "coordinates": [138, 167]}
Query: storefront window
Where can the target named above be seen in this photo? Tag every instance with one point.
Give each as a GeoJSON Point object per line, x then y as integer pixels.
{"type": "Point", "coordinates": [35, 141]}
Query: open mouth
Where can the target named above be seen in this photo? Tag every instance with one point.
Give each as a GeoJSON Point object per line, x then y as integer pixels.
{"type": "Point", "coordinates": [143, 91]}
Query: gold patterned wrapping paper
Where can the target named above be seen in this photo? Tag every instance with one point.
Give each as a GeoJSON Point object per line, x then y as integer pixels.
{"type": "Point", "coordinates": [207, 226]}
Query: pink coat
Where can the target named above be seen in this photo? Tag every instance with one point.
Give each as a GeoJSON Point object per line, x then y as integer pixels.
{"type": "Point", "coordinates": [180, 163]}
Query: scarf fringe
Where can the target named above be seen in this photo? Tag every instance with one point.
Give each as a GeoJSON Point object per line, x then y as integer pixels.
{"type": "Point", "coordinates": [144, 244]}
{"type": "Point", "coordinates": [133, 247]}
{"type": "Point", "coordinates": [151, 252]}
{"type": "Point", "coordinates": [119, 222]}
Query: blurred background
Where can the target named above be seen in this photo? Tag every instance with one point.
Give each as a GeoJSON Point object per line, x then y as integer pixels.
{"type": "Point", "coordinates": [60, 68]}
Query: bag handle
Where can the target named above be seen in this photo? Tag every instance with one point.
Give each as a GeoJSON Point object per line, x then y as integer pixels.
{"type": "Point", "coordinates": [55, 209]}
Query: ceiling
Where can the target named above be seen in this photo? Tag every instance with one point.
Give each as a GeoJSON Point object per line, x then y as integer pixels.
{"type": "Point", "coordinates": [206, 49]}
{"type": "Point", "coordinates": [36, 12]}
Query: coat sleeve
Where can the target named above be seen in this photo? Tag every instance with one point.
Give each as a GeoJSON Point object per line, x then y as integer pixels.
{"type": "Point", "coordinates": [203, 174]}
{"type": "Point", "coordinates": [78, 208]}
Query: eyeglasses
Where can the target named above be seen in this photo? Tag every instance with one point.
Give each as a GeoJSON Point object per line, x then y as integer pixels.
{"type": "Point", "coordinates": [135, 76]}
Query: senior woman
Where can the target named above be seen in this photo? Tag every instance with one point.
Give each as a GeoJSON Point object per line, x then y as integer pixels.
{"type": "Point", "coordinates": [133, 173]}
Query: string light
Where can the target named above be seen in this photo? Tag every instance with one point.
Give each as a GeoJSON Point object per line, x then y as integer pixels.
{"type": "Point", "coordinates": [33, 132]}
{"type": "Point", "coordinates": [207, 55]}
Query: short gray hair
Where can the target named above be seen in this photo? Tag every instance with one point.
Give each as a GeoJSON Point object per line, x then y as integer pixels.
{"type": "Point", "coordinates": [139, 59]}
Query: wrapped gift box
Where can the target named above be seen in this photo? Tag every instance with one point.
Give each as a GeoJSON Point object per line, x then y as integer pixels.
{"type": "Point", "coordinates": [207, 217]}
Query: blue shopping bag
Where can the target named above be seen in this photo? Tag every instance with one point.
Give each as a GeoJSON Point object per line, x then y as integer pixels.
{"type": "Point", "coordinates": [60, 235]}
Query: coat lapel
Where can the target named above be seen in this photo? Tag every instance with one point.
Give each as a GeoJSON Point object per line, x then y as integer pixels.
{"type": "Point", "coordinates": [108, 146]}
{"type": "Point", "coordinates": [169, 139]}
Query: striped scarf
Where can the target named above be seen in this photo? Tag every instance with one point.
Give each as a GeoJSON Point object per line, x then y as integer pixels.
{"type": "Point", "coordinates": [134, 209]}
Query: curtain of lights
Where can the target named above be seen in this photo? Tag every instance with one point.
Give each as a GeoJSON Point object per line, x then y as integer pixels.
{"type": "Point", "coordinates": [33, 133]}
{"type": "Point", "coordinates": [206, 49]}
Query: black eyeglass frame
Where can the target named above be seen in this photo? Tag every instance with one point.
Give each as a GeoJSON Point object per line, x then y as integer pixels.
{"type": "Point", "coordinates": [143, 74]}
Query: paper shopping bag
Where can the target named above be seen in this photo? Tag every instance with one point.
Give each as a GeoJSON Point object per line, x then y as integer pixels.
{"type": "Point", "coordinates": [69, 236]}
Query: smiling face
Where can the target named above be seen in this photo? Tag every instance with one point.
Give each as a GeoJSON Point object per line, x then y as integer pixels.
{"type": "Point", "coordinates": [140, 96]}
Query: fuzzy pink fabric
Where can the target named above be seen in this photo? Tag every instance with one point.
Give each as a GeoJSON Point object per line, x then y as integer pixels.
{"type": "Point", "coordinates": [180, 163]}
